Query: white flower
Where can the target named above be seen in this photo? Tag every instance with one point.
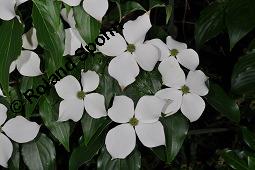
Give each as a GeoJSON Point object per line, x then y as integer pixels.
{"type": "Point", "coordinates": [28, 63]}
{"type": "Point", "coordinates": [7, 11]}
{"type": "Point", "coordinates": [143, 121]}
{"type": "Point", "coordinates": [95, 8]}
{"type": "Point", "coordinates": [1, 93]}
{"type": "Point", "coordinates": [77, 97]}
{"type": "Point", "coordinates": [182, 93]}
{"type": "Point", "coordinates": [186, 57]}
{"type": "Point", "coordinates": [18, 129]}
{"type": "Point", "coordinates": [124, 67]}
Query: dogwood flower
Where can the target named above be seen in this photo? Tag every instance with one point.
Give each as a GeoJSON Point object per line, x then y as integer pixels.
{"type": "Point", "coordinates": [95, 8]}
{"type": "Point", "coordinates": [130, 51]}
{"type": "Point", "coordinates": [75, 97]}
{"type": "Point", "coordinates": [28, 63]}
{"type": "Point", "coordinates": [188, 58]}
{"type": "Point", "coordinates": [1, 93]}
{"type": "Point", "coordinates": [7, 11]}
{"type": "Point", "coordinates": [182, 93]}
{"type": "Point", "coordinates": [18, 129]}
{"type": "Point", "coordinates": [143, 121]}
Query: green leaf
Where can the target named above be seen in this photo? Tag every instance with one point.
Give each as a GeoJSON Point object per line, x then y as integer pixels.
{"type": "Point", "coordinates": [221, 102]}
{"type": "Point", "coordinates": [83, 154]}
{"type": "Point", "coordinates": [156, 4]}
{"type": "Point", "coordinates": [15, 159]}
{"type": "Point", "coordinates": [90, 126]}
{"type": "Point", "coordinates": [49, 114]}
{"type": "Point", "coordinates": [130, 6]}
{"type": "Point", "coordinates": [169, 10]}
{"type": "Point", "coordinates": [242, 80]}
{"type": "Point", "coordinates": [233, 160]}
{"type": "Point", "coordinates": [132, 162]}
{"type": "Point", "coordinates": [210, 23]}
{"type": "Point", "coordinates": [10, 48]}
{"type": "Point", "coordinates": [239, 19]}
{"type": "Point", "coordinates": [248, 137]}
{"type": "Point", "coordinates": [50, 32]}
{"type": "Point", "coordinates": [88, 27]}
{"type": "Point", "coordinates": [39, 154]}
{"type": "Point", "coordinates": [251, 163]}
{"type": "Point", "coordinates": [176, 128]}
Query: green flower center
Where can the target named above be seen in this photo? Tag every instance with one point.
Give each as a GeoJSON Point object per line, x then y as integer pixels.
{"type": "Point", "coordinates": [131, 48]}
{"type": "Point", "coordinates": [81, 95]}
{"type": "Point", "coordinates": [184, 89]}
{"type": "Point", "coordinates": [174, 52]}
{"type": "Point", "coordinates": [133, 121]}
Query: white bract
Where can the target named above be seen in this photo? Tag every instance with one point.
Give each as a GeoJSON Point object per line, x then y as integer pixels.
{"type": "Point", "coordinates": [188, 58]}
{"type": "Point", "coordinates": [95, 8]}
{"type": "Point", "coordinates": [1, 93]}
{"type": "Point", "coordinates": [7, 11]}
{"type": "Point", "coordinates": [130, 51]}
{"type": "Point", "coordinates": [143, 121]}
{"type": "Point", "coordinates": [28, 63]}
{"type": "Point", "coordinates": [18, 129]}
{"type": "Point", "coordinates": [183, 92]}
{"type": "Point", "coordinates": [75, 97]}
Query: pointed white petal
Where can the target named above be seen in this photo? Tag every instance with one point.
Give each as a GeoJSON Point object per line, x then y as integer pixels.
{"type": "Point", "coordinates": [115, 46]}
{"type": "Point", "coordinates": [124, 69]}
{"type": "Point", "coordinates": [120, 141]}
{"type": "Point", "coordinates": [12, 66]}
{"type": "Point", "coordinates": [147, 56]}
{"type": "Point", "coordinates": [172, 44]}
{"type": "Point", "coordinates": [188, 58]}
{"type": "Point", "coordinates": [151, 134]}
{"type": "Point", "coordinates": [192, 106]}
{"type": "Point", "coordinates": [196, 82]}
{"type": "Point", "coordinates": [163, 49]}
{"type": "Point", "coordinates": [68, 87]}
{"type": "Point", "coordinates": [6, 150]}
{"type": "Point", "coordinates": [72, 42]}
{"type": "Point", "coordinates": [148, 109]}
{"type": "Point", "coordinates": [19, 2]}
{"type": "Point", "coordinates": [68, 17]}
{"type": "Point", "coordinates": [89, 81]}
{"type": "Point", "coordinates": [28, 64]}
{"type": "Point", "coordinates": [122, 109]}
{"type": "Point", "coordinates": [72, 2]}
{"type": "Point", "coordinates": [3, 116]}
{"type": "Point", "coordinates": [96, 8]}
{"type": "Point", "coordinates": [20, 129]}
{"type": "Point", "coordinates": [95, 105]}
{"type": "Point", "coordinates": [173, 98]}
{"type": "Point", "coordinates": [135, 31]}
{"type": "Point", "coordinates": [71, 109]}
{"type": "Point", "coordinates": [171, 72]}
{"type": "Point", "coordinates": [1, 93]}
{"type": "Point", "coordinates": [7, 11]}
{"type": "Point", "coordinates": [29, 40]}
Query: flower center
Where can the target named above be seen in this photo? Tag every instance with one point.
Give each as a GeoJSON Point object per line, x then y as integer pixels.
{"type": "Point", "coordinates": [81, 95]}
{"type": "Point", "coordinates": [174, 52]}
{"type": "Point", "coordinates": [133, 121]}
{"type": "Point", "coordinates": [131, 48]}
{"type": "Point", "coordinates": [184, 89]}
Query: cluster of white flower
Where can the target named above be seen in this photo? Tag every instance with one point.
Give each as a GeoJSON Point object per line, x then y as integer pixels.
{"type": "Point", "coordinates": [131, 52]}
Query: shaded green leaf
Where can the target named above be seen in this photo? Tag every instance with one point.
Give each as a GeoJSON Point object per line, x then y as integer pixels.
{"type": "Point", "coordinates": [234, 160]}
{"type": "Point", "coordinates": [251, 163]}
{"type": "Point", "coordinates": [248, 137]}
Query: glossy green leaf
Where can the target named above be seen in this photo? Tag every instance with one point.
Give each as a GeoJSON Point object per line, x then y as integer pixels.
{"type": "Point", "coordinates": [88, 27]}
{"type": "Point", "coordinates": [248, 137]}
{"type": "Point", "coordinates": [49, 114]}
{"type": "Point", "coordinates": [223, 103]}
{"type": "Point", "coordinates": [169, 10]}
{"type": "Point", "coordinates": [176, 128]}
{"type": "Point", "coordinates": [39, 154]}
{"type": "Point", "coordinates": [156, 3]}
{"type": "Point", "coordinates": [15, 159]}
{"type": "Point", "coordinates": [132, 162]}
{"type": "Point", "coordinates": [242, 80]}
{"type": "Point", "coordinates": [10, 48]}
{"type": "Point", "coordinates": [233, 160]}
{"type": "Point", "coordinates": [251, 163]}
{"type": "Point", "coordinates": [50, 32]}
{"type": "Point", "coordinates": [85, 153]}
{"type": "Point", "coordinates": [239, 19]}
{"type": "Point", "coordinates": [130, 6]}
{"type": "Point", "coordinates": [210, 23]}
